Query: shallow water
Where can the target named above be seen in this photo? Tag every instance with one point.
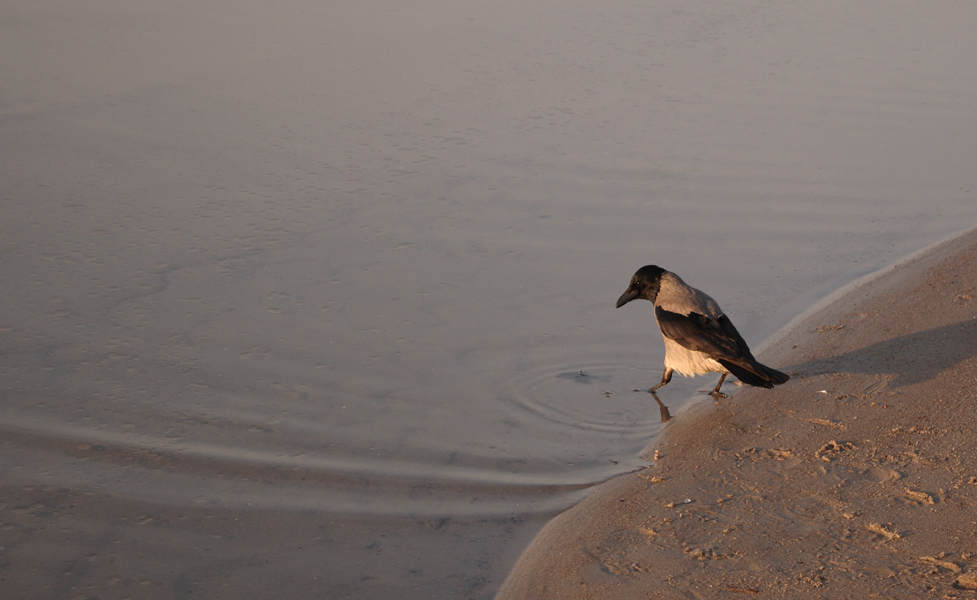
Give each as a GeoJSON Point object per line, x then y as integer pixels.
{"type": "Point", "coordinates": [317, 298]}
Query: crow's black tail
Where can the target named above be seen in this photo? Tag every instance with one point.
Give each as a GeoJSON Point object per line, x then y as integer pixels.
{"type": "Point", "coordinates": [756, 374]}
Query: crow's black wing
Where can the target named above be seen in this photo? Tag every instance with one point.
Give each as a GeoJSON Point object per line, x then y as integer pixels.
{"type": "Point", "coordinates": [726, 326]}
{"type": "Point", "coordinates": [716, 338]}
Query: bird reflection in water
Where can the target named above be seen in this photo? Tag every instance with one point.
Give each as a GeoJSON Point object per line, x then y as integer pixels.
{"type": "Point", "coordinates": [666, 416]}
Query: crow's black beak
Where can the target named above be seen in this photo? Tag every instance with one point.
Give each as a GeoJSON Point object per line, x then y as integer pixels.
{"type": "Point", "coordinates": [627, 296]}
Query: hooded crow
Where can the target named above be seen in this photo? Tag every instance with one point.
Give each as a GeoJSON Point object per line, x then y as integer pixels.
{"type": "Point", "coordinates": [699, 338]}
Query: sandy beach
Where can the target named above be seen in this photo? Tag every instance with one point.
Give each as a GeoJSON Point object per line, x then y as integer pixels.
{"type": "Point", "coordinates": [856, 479]}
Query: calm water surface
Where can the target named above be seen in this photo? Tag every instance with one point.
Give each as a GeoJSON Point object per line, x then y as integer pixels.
{"type": "Point", "coordinates": [316, 299]}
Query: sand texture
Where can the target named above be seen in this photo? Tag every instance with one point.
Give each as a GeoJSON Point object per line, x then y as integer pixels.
{"type": "Point", "coordinates": [857, 479]}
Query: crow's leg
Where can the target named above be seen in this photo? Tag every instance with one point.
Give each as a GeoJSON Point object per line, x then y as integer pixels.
{"type": "Point", "coordinates": [666, 377]}
{"type": "Point", "coordinates": [715, 391]}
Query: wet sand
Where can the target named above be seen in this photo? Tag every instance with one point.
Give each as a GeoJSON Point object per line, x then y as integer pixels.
{"type": "Point", "coordinates": [857, 479]}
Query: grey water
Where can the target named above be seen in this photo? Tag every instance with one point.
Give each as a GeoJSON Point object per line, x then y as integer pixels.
{"type": "Point", "coordinates": [316, 299]}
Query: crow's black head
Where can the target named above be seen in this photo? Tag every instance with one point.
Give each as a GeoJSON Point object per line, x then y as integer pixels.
{"type": "Point", "coordinates": [644, 284]}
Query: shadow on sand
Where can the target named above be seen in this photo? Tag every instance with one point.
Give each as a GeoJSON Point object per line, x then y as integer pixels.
{"type": "Point", "coordinates": [909, 359]}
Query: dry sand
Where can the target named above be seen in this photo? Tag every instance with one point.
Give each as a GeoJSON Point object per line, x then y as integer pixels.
{"type": "Point", "coordinates": [857, 479]}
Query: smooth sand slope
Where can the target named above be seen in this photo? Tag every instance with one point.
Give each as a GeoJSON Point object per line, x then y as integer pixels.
{"type": "Point", "coordinates": [857, 479]}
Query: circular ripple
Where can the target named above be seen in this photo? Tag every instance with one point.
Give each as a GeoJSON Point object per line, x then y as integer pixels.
{"type": "Point", "coordinates": [596, 397]}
